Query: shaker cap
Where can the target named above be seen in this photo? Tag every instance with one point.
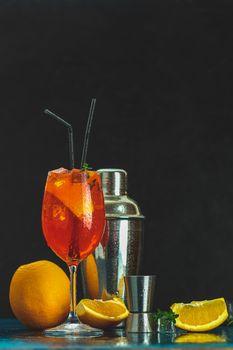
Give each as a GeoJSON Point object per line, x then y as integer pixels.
{"type": "Point", "coordinates": [117, 203]}
{"type": "Point", "coordinates": [114, 181]}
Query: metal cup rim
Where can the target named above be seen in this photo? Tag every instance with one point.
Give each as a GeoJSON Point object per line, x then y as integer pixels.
{"type": "Point", "coordinates": [138, 276]}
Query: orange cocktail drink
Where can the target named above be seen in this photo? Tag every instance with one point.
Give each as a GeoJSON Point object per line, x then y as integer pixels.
{"type": "Point", "coordinates": [73, 220]}
{"type": "Point", "coordinates": [73, 215]}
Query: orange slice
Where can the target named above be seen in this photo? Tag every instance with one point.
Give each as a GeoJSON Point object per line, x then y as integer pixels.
{"type": "Point", "coordinates": [101, 314]}
{"type": "Point", "coordinates": [200, 316]}
{"type": "Point", "coordinates": [70, 187]}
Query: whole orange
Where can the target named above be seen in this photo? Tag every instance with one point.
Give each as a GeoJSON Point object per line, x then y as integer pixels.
{"type": "Point", "coordinates": [39, 294]}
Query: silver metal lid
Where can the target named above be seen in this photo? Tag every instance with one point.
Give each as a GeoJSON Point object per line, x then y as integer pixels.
{"type": "Point", "coordinates": [114, 181]}
{"type": "Point", "coordinates": [117, 203]}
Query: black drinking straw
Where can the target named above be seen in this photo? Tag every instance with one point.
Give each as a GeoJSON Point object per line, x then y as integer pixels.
{"type": "Point", "coordinates": [87, 132]}
{"type": "Point", "coordinates": [70, 134]}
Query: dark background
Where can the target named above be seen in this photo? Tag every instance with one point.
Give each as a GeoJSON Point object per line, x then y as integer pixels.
{"type": "Point", "coordinates": [162, 73]}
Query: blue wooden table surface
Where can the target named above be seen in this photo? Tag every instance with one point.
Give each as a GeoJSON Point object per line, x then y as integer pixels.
{"type": "Point", "coordinates": [15, 336]}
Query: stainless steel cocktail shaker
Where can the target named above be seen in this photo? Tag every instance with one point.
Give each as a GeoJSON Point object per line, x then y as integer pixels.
{"type": "Point", "coordinates": [120, 251]}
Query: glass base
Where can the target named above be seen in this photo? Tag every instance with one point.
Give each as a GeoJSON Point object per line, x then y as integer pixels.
{"type": "Point", "coordinates": [75, 329]}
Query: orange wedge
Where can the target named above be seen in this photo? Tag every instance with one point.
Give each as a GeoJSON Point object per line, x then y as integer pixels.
{"type": "Point", "coordinates": [200, 316]}
{"type": "Point", "coordinates": [62, 183]}
{"type": "Point", "coordinates": [101, 314]}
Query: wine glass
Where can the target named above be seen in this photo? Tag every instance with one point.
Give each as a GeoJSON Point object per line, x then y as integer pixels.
{"type": "Point", "coordinates": [73, 221]}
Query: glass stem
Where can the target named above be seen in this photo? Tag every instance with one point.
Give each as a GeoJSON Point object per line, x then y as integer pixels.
{"type": "Point", "coordinates": [73, 293]}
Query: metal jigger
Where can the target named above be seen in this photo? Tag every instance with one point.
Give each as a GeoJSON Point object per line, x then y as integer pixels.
{"type": "Point", "coordinates": [140, 297]}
